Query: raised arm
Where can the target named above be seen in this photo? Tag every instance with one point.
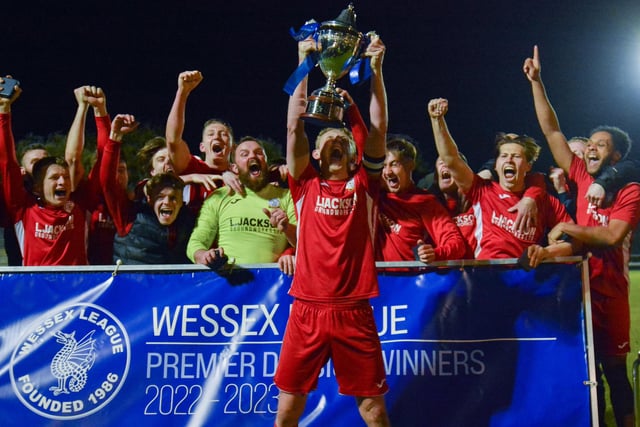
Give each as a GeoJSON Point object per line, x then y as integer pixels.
{"type": "Point", "coordinates": [461, 173]}
{"type": "Point", "coordinates": [178, 149]}
{"type": "Point", "coordinates": [297, 141]}
{"type": "Point", "coordinates": [96, 98]}
{"type": "Point", "coordinates": [356, 124]}
{"type": "Point", "coordinates": [75, 138]}
{"type": "Point", "coordinates": [115, 195]}
{"type": "Point", "coordinates": [378, 114]}
{"type": "Point", "coordinates": [547, 118]}
{"type": "Point", "coordinates": [85, 96]}
{"type": "Point", "coordinates": [98, 101]}
{"type": "Point", "coordinates": [13, 192]}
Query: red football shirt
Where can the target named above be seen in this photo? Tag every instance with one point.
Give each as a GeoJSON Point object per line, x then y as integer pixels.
{"type": "Point", "coordinates": [411, 216]}
{"type": "Point", "coordinates": [608, 266]}
{"type": "Point", "coordinates": [47, 236]}
{"type": "Point", "coordinates": [336, 222]}
{"type": "Point", "coordinates": [494, 231]}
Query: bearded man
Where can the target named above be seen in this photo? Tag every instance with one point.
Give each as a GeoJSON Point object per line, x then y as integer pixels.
{"type": "Point", "coordinates": [257, 227]}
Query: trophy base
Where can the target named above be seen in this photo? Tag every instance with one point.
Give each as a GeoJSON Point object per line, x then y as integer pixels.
{"type": "Point", "coordinates": [324, 109]}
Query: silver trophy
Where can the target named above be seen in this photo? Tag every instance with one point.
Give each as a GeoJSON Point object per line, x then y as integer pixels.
{"type": "Point", "coordinates": [340, 45]}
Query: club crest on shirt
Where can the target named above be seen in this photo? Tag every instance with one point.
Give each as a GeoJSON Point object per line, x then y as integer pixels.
{"type": "Point", "coordinates": [274, 203]}
{"type": "Point", "coordinates": [351, 185]}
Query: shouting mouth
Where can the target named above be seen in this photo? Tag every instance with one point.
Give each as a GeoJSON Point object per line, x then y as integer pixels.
{"type": "Point", "coordinates": [509, 172]}
{"type": "Point", "coordinates": [255, 168]}
{"type": "Point", "coordinates": [166, 213]}
{"type": "Point", "coordinates": [445, 176]}
{"type": "Point", "coordinates": [336, 154]}
{"type": "Point", "coordinates": [592, 160]}
{"type": "Point", "coordinates": [392, 181]}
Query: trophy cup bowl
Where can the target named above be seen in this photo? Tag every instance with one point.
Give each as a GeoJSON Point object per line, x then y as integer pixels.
{"type": "Point", "coordinates": [340, 45]}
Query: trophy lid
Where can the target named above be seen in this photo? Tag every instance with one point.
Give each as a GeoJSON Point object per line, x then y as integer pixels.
{"type": "Point", "coordinates": [346, 21]}
{"type": "Point", "coordinates": [347, 16]}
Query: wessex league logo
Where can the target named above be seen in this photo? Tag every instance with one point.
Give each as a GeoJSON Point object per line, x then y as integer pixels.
{"type": "Point", "coordinates": [71, 363]}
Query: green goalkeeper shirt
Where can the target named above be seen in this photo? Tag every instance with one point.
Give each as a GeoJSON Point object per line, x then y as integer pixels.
{"type": "Point", "coordinates": [238, 225]}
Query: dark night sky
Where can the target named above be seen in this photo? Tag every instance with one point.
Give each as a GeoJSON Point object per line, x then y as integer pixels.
{"type": "Point", "coordinates": [470, 52]}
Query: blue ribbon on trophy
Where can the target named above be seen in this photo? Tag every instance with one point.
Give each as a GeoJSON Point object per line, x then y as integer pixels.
{"type": "Point", "coordinates": [361, 70]}
{"type": "Point", "coordinates": [310, 28]}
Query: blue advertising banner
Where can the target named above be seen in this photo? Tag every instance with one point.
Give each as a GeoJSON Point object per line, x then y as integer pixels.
{"type": "Point", "coordinates": [475, 346]}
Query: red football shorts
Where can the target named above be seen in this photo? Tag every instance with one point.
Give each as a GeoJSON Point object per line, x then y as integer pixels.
{"type": "Point", "coordinates": [344, 333]}
{"type": "Point", "coordinates": [611, 324]}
